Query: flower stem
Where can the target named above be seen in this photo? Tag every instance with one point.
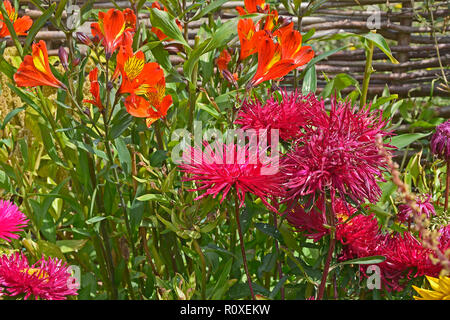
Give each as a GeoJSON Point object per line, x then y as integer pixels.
{"type": "Point", "coordinates": [367, 72]}
{"type": "Point", "coordinates": [330, 218]}
{"type": "Point", "coordinates": [203, 262]}
{"type": "Point", "coordinates": [447, 186]}
{"type": "Point", "coordinates": [241, 242]}
{"type": "Point", "coordinates": [279, 269]}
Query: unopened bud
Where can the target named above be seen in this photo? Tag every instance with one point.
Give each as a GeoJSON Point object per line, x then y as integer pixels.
{"type": "Point", "coordinates": [284, 21]}
{"type": "Point", "coordinates": [63, 57]}
{"type": "Point", "coordinates": [76, 62]}
{"type": "Point", "coordinates": [83, 38]}
{"type": "Point", "coordinates": [230, 77]}
{"type": "Point", "coordinates": [109, 86]}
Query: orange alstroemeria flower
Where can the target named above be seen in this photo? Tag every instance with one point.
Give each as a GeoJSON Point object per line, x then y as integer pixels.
{"type": "Point", "coordinates": [21, 25]}
{"type": "Point", "coordinates": [35, 69]}
{"type": "Point", "coordinates": [95, 89]}
{"type": "Point", "coordinates": [145, 84]}
{"type": "Point", "coordinates": [152, 106]}
{"type": "Point", "coordinates": [112, 27]}
{"type": "Point", "coordinates": [251, 6]}
{"type": "Point", "coordinates": [161, 35]}
{"type": "Point", "coordinates": [275, 60]}
{"type": "Point", "coordinates": [249, 36]}
{"type": "Point", "coordinates": [223, 60]}
{"type": "Point", "coordinates": [250, 33]}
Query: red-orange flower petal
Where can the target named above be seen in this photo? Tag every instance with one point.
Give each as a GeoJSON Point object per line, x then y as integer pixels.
{"type": "Point", "coordinates": [95, 89]}
{"type": "Point", "coordinates": [111, 28]}
{"type": "Point", "coordinates": [275, 60]}
{"type": "Point", "coordinates": [161, 35]}
{"type": "Point", "coordinates": [35, 69]}
{"type": "Point", "coordinates": [223, 60]}
{"type": "Point", "coordinates": [21, 25]}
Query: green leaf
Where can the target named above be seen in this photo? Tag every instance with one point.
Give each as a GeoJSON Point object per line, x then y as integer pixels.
{"type": "Point", "coordinates": [7, 69]}
{"type": "Point", "coordinates": [406, 139]}
{"type": "Point", "coordinates": [37, 25]}
{"type": "Point", "coordinates": [11, 115]}
{"type": "Point", "coordinates": [269, 230]}
{"type": "Point", "coordinates": [364, 260]}
{"type": "Point", "coordinates": [70, 245]}
{"type": "Point", "coordinates": [166, 23]}
{"type": "Point", "coordinates": [278, 286]}
{"type": "Point", "coordinates": [124, 155]}
{"type": "Point", "coordinates": [120, 123]}
{"type": "Point", "coordinates": [310, 81]}
{"type": "Point", "coordinates": [153, 197]}
{"type": "Point", "coordinates": [381, 43]}
{"type": "Point", "coordinates": [95, 219]}
{"type": "Point", "coordinates": [221, 281]}
{"type": "Point", "coordinates": [207, 9]}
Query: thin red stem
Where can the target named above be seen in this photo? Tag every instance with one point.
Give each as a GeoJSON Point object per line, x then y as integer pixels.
{"type": "Point", "coordinates": [447, 186]}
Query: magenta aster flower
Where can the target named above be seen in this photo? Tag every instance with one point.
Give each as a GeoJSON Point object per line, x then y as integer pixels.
{"type": "Point", "coordinates": [289, 115]}
{"type": "Point", "coordinates": [11, 220]}
{"type": "Point", "coordinates": [311, 223]}
{"type": "Point", "coordinates": [440, 141]}
{"type": "Point", "coordinates": [406, 258]}
{"type": "Point", "coordinates": [338, 154]}
{"type": "Point", "coordinates": [358, 235]}
{"type": "Point", "coordinates": [226, 167]}
{"type": "Point", "coordinates": [46, 279]}
{"type": "Point", "coordinates": [425, 205]}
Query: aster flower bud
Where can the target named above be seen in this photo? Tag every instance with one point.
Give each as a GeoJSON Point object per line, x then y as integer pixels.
{"type": "Point", "coordinates": [440, 141]}
{"type": "Point", "coordinates": [63, 57]}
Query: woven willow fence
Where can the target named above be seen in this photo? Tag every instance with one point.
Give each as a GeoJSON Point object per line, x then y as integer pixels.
{"type": "Point", "coordinates": [417, 35]}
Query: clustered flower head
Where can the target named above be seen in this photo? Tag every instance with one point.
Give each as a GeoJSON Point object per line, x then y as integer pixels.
{"type": "Point", "coordinates": [311, 223]}
{"type": "Point", "coordinates": [440, 141]}
{"type": "Point", "coordinates": [338, 154]}
{"type": "Point", "coordinates": [288, 115]}
{"type": "Point", "coordinates": [12, 220]}
{"type": "Point", "coordinates": [361, 236]}
{"type": "Point", "coordinates": [425, 205]}
{"type": "Point", "coordinates": [223, 167]}
{"type": "Point", "coordinates": [46, 279]}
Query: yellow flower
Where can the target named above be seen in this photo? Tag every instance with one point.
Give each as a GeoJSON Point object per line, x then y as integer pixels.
{"type": "Point", "coordinates": [440, 289]}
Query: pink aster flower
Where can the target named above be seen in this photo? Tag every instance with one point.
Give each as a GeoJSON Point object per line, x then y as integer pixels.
{"type": "Point", "coordinates": [289, 115]}
{"type": "Point", "coordinates": [11, 220]}
{"type": "Point", "coordinates": [425, 205]}
{"type": "Point", "coordinates": [440, 141]}
{"type": "Point", "coordinates": [406, 258]}
{"type": "Point", "coordinates": [358, 234]}
{"type": "Point", "coordinates": [311, 223]}
{"type": "Point", "coordinates": [46, 279]}
{"type": "Point", "coordinates": [231, 166]}
{"type": "Point", "coordinates": [338, 155]}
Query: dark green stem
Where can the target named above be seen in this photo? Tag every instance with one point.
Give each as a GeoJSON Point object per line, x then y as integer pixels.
{"type": "Point", "coordinates": [242, 245]}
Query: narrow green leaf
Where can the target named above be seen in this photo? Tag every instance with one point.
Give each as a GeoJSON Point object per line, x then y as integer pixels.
{"type": "Point", "coordinates": [37, 25]}
{"type": "Point", "coordinates": [310, 81]}
{"type": "Point", "coordinates": [381, 43]}
{"type": "Point", "coordinates": [166, 23]}
{"type": "Point", "coordinates": [406, 139]}
{"type": "Point", "coordinates": [207, 9]}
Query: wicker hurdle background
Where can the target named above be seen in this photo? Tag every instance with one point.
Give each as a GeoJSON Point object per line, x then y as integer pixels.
{"type": "Point", "coordinates": [418, 38]}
